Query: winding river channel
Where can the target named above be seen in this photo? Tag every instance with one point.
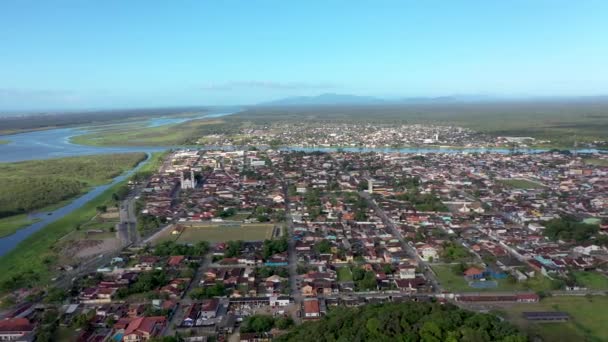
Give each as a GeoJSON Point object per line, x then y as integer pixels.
{"type": "Point", "coordinates": [55, 143]}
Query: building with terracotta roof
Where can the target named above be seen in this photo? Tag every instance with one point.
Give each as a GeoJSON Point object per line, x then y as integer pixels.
{"type": "Point", "coordinates": [311, 308]}
{"type": "Point", "coordinates": [16, 329]}
{"type": "Point", "coordinates": [144, 328]}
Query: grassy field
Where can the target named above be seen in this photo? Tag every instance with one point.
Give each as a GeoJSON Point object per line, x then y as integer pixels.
{"type": "Point", "coordinates": [4, 142]}
{"type": "Point", "coordinates": [521, 184]}
{"type": "Point", "coordinates": [591, 280]}
{"type": "Point", "coordinates": [11, 224]}
{"type": "Point", "coordinates": [457, 283]}
{"type": "Point", "coordinates": [587, 323]}
{"type": "Point", "coordinates": [596, 162]}
{"type": "Point", "coordinates": [37, 253]}
{"type": "Point", "coordinates": [218, 233]}
{"type": "Point", "coordinates": [345, 274]}
{"type": "Point", "coordinates": [140, 135]}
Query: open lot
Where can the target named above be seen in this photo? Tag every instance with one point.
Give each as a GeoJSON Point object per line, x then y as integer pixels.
{"type": "Point", "coordinates": [587, 318]}
{"type": "Point", "coordinates": [596, 162]}
{"type": "Point", "coordinates": [221, 233]}
{"type": "Point", "coordinates": [450, 281]}
{"type": "Point", "coordinates": [521, 184]}
{"type": "Point", "coordinates": [592, 280]}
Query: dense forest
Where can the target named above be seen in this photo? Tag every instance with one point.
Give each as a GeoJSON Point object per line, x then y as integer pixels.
{"type": "Point", "coordinates": [31, 185]}
{"type": "Point", "coordinates": [413, 321]}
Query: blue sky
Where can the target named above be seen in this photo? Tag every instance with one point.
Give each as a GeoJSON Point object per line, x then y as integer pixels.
{"type": "Point", "coordinates": [108, 54]}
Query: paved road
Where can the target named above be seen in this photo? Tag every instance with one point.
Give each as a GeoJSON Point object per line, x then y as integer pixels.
{"type": "Point", "coordinates": [409, 249]}
{"type": "Point", "coordinates": [293, 261]}
{"type": "Point", "coordinates": [178, 316]}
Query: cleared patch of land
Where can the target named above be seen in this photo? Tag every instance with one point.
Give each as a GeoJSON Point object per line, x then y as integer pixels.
{"type": "Point", "coordinates": [587, 323]}
{"type": "Point", "coordinates": [596, 162]}
{"type": "Point", "coordinates": [220, 233]}
{"type": "Point", "coordinates": [451, 281]}
{"type": "Point", "coordinates": [521, 184]}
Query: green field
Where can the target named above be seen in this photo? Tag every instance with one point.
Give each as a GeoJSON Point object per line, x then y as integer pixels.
{"type": "Point", "coordinates": [4, 142]}
{"type": "Point", "coordinates": [345, 274]}
{"type": "Point", "coordinates": [451, 281]}
{"type": "Point", "coordinates": [37, 253]}
{"type": "Point", "coordinates": [591, 280]}
{"type": "Point", "coordinates": [596, 162]}
{"type": "Point", "coordinates": [11, 224]}
{"type": "Point", "coordinates": [521, 184]}
{"type": "Point", "coordinates": [587, 323]}
{"type": "Point", "coordinates": [218, 233]}
{"type": "Point", "coordinates": [457, 283]}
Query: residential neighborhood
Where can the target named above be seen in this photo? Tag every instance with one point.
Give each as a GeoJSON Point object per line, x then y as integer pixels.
{"type": "Point", "coordinates": [290, 235]}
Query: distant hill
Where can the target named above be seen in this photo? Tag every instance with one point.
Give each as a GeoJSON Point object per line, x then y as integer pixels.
{"type": "Point", "coordinates": [325, 99]}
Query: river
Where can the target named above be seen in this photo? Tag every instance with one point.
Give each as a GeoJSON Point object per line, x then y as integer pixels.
{"type": "Point", "coordinates": [9, 242]}
{"type": "Point", "coordinates": [55, 143]}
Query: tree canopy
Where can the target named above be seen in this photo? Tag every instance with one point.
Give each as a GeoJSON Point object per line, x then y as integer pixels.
{"type": "Point", "coordinates": [413, 321]}
{"type": "Point", "coordinates": [569, 229]}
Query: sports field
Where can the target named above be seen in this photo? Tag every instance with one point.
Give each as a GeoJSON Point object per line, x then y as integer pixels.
{"type": "Point", "coordinates": [587, 323]}
{"type": "Point", "coordinates": [221, 233]}
{"type": "Point", "coordinates": [521, 184]}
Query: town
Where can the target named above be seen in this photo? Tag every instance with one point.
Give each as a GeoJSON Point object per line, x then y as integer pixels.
{"type": "Point", "coordinates": [360, 135]}
{"type": "Point", "coordinates": [243, 244]}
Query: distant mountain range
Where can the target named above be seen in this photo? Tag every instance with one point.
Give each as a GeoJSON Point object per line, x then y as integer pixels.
{"type": "Point", "coordinates": [346, 99]}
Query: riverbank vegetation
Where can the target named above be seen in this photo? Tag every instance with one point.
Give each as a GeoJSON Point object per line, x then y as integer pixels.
{"type": "Point", "coordinates": [413, 321]}
{"type": "Point", "coordinates": [142, 135]}
{"type": "Point", "coordinates": [4, 141]}
{"type": "Point", "coordinates": [34, 260]}
{"type": "Point", "coordinates": [9, 225]}
{"type": "Point", "coordinates": [32, 185]}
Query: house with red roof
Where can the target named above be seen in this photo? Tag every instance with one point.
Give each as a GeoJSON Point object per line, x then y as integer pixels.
{"type": "Point", "coordinates": [16, 329]}
{"type": "Point", "coordinates": [473, 273]}
{"type": "Point", "coordinates": [144, 328]}
{"type": "Point", "coordinates": [175, 261]}
{"type": "Point", "coordinates": [311, 308]}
